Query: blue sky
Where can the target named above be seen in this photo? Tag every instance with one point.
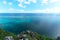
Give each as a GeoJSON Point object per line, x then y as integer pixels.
{"type": "Point", "coordinates": [29, 6]}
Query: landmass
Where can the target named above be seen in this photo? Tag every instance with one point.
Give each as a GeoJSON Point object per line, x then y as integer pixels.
{"type": "Point", "coordinates": [24, 35]}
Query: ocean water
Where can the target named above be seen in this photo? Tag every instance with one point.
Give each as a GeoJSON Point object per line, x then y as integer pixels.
{"type": "Point", "coordinates": [44, 24]}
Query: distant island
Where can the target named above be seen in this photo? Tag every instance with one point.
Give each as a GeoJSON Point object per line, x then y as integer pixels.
{"type": "Point", "coordinates": [24, 35]}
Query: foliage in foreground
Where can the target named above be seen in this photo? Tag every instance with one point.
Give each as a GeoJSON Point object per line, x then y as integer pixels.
{"type": "Point", "coordinates": [36, 36]}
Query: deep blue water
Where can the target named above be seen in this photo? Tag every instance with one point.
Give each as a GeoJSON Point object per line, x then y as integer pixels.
{"type": "Point", "coordinates": [45, 24]}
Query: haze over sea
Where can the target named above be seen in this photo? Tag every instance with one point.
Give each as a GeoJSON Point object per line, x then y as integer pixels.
{"type": "Point", "coordinates": [45, 24]}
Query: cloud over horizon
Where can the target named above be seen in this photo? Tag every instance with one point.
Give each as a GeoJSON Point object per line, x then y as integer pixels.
{"type": "Point", "coordinates": [30, 6]}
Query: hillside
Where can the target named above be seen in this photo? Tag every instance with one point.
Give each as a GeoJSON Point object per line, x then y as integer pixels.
{"type": "Point", "coordinates": [6, 33]}
{"type": "Point", "coordinates": [25, 34]}
{"type": "Point", "coordinates": [34, 36]}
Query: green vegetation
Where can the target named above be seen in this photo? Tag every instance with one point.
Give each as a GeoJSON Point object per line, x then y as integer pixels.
{"type": "Point", "coordinates": [35, 37]}
{"type": "Point", "coordinates": [6, 33]}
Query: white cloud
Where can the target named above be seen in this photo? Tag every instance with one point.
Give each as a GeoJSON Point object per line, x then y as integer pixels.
{"type": "Point", "coordinates": [33, 11]}
{"type": "Point", "coordinates": [34, 1]}
{"type": "Point", "coordinates": [26, 2]}
{"type": "Point", "coordinates": [52, 10]}
{"type": "Point", "coordinates": [47, 2]}
{"type": "Point", "coordinates": [20, 5]}
{"type": "Point", "coordinates": [22, 2]}
{"type": "Point", "coordinates": [10, 3]}
{"type": "Point", "coordinates": [53, 1]}
{"type": "Point", "coordinates": [47, 10]}
{"type": "Point", "coordinates": [29, 1]}
{"type": "Point", "coordinates": [12, 10]}
{"type": "Point", "coordinates": [56, 9]}
{"type": "Point", "coordinates": [4, 2]}
{"type": "Point", "coordinates": [44, 1]}
{"type": "Point", "coordinates": [40, 11]}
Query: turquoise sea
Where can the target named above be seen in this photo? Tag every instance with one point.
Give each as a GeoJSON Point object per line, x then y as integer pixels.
{"type": "Point", "coordinates": [45, 24]}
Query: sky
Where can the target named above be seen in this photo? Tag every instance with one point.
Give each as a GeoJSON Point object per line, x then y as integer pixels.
{"type": "Point", "coordinates": [29, 6]}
